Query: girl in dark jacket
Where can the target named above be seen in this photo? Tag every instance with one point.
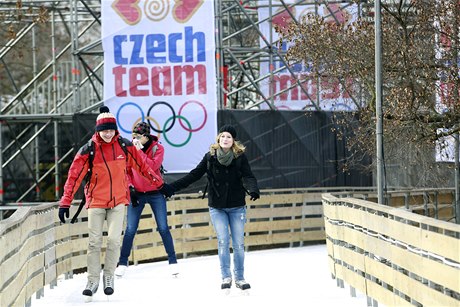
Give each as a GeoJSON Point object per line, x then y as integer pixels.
{"type": "Point", "coordinates": [229, 178]}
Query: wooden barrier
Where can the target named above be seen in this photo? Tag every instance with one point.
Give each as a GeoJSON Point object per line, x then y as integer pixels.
{"type": "Point", "coordinates": [394, 256]}
{"type": "Point", "coordinates": [36, 248]}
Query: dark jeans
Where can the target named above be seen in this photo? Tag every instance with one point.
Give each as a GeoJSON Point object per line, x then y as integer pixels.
{"type": "Point", "coordinates": [158, 204]}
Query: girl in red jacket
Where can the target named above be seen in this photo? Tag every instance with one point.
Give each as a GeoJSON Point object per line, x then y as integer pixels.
{"type": "Point", "coordinates": [143, 193]}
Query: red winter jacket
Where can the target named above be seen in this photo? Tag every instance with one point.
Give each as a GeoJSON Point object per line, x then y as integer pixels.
{"type": "Point", "coordinates": [154, 160]}
{"type": "Point", "coordinates": [108, 185]}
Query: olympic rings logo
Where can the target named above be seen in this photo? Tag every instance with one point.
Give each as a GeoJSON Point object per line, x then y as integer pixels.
{"type": "Point", "coordinates": [169, 123]}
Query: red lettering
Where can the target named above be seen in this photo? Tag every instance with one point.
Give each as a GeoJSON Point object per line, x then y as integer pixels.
{"type": "Point", "coordinates": [138, 76]}
{"type": "Point", "coordinates": [189, 72]}
{"type": "Point", "coordinates": [161, 80]}
{"type": "Point", "coordinates": [118, 73]}
{"type": "Point", "coordinates": [330, 89]}
{"type": "Point", "coordinates": [289, 89]}
{"type": "Point", "coordinates": [284, 82]}
{"type": "Point", "coordinates": [309, 90]}
{"type": "Point", "coordinates": [161, 75]}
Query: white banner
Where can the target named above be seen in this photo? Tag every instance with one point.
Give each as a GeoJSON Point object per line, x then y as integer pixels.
{"type": "Point", "coordinates": [159, 67]}
{"type": "Point", "coordinates": [327, 93]}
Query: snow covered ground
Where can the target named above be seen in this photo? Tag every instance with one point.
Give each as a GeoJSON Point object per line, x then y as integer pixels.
{"type": "Point", "coordinates": [296, 276]}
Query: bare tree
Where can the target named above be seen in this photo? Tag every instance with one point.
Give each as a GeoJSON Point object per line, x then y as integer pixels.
{"type": "Point", "coordinates": [16, 65]}
{"type": "Point", "coordinates": [420, 76]}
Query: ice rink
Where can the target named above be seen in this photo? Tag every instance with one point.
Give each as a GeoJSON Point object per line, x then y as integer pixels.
{"type": "Point", "coordinates": [296, 276]}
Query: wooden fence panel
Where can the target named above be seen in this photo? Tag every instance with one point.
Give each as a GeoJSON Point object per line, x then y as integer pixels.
{"type": "Point", "coordinates": [36, 248]}
{"type": "Point", "coordinates": [408, 259]}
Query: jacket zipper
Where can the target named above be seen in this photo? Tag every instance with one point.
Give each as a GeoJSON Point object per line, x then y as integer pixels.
{"type": "Point", "coordinates": [108, 171]}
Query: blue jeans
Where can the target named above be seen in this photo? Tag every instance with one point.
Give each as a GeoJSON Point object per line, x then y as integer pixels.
{"type": "Point", "coordinates": [158, 204]}
{"type": "Point", "coordinates": [221, 220]}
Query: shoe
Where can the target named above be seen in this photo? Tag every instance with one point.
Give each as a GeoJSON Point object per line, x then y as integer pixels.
{"type": "Point", "coordinates": [91, 288]}
{"type": "Point", "coordinates": [226, 283]}
{"type": "Point", "coordinates": [120, 270]}
{"type": "Point", "coordinates": [242, 284]}
{"type": "Point", "coordinates": [108, 284]}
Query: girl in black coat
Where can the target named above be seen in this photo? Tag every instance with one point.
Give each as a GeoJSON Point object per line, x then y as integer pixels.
{"type": "Point", "coordinates": [229, 179]}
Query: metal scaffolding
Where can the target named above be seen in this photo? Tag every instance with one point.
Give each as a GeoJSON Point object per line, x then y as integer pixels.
{"type": "Point", "coordinates": [37, 114]}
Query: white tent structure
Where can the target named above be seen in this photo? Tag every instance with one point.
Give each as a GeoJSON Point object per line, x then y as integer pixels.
{"type": "Point", "coordinates": [292, 276]}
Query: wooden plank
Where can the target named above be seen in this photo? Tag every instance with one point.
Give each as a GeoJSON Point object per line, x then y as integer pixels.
{"type": "Point", "coordinates": [148, 253]}
{"type": "Point", "coordinates": [197, 246]}
{"type": "Point", "coordinates": [79, 245]}
{"type": "Point", "coordinates": [354, 279]}
{"type": "Point", "coordinates": [189, 218]}
{"type": "Point", "coordinates": [430, 241]}
{"type": "Point", "coordinates": [147, 238]}
{"type": "Point", "coordinates": [64, 266]}
{"type": "Point", "coordinates": [12, 290]}
{"type": "Point", "coordinates": [331, 264]}
{"type": "Point", "coordinates": [440, 244]}
{"type": "Point", "coordinates": [330, 212]}
{"type": "Point", "coordinates": [49, 274]}
{"type": "Point", "coordinates": [285, 198]}
{"type": "Point", "coordinates": [148, 223]}
{"type": "Point", "coordinates": [274, 212]}
{"type": "Point", "coordinates": [413, 288]}
{"type": "Point", "coordinates": [63, 249]}
{"type": "Point", "coordinates": [332, 230]}
{"type": "Point", "coordinates": [79, 262]}
{"type": "Point", "coordinates": [431, 269]}
{"type": "Point", "coordinates": [187, 204]}
{"type": "Point", "coordinates": [14, 264]}
{"type": "Point", "coordinates": [385, 296]}
{"type": "Point", "coordinates": [11, 241]}
{"type": "Point", "coordinates": [61, 232]}
{"type": "Point", "coordinates": [192, 232]}
{"type": "Point", "coordinates": [78, 229]}
{"type": "Point", "coordinates": [256, 226]}
{"type": "Point", "coordinates": [351, 257]}
{"type": "Point", "coordinates": [278, 238]}
{"type": "Point", "coordinates": [35, 284]}
{"type": "Point", "coordinates": [420, 292]}
{"type": "Point", "coordinates": [34, 267]}
{"type": "Point", "coordinates": [273, 225]}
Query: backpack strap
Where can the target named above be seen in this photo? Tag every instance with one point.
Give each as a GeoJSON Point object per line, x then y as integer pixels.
{"type": "Point", "coordinates": [122, 143]}
{"type": "Point", "coordinates": [90, 146]}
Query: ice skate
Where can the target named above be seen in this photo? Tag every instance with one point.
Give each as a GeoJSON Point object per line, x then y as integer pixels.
{"type": "Point", "coordinates": [120, 270]}
{"type": "Point", "coordinates": [226, 284]}
{"type": "Point", "coordinates": [243, 285]}
{"type": "Point", "coordinates": [91, 288]}
{"type": "Point", "coordinates": [108, 285]}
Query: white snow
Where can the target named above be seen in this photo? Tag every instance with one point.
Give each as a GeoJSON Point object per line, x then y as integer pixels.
{"type": "Point", "coordinates": [297, 276]}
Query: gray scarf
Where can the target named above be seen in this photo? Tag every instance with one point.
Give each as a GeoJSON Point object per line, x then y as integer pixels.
{"type": "Point", "coordinates": [224, 158]}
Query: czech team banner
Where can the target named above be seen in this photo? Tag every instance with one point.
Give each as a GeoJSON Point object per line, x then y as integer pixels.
{"type": "Point", "coordinates": [159, 67]}
{"type": "Point", "coordinates": [328, 94]}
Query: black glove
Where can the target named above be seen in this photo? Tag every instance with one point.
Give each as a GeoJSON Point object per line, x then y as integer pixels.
{"type": "Point", "coordinates": [133, 194]}
{"type": "Point", "coordinates": [167, 190]}
{"type": "Point", "coordinates": [62, 212]}
{"type": "Point", "coordinates": [254, 195]}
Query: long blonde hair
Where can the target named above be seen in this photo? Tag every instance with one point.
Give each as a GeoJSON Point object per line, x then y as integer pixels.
{"type": "Point", "coordinates": [237, 147]}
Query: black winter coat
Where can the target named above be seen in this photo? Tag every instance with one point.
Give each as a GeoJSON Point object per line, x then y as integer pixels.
{"type": "Point", "coordinates": [227, 185]}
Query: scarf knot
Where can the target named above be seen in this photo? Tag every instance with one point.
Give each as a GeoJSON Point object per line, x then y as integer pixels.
{"type": "Point", "coordinates": [225, 158]}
